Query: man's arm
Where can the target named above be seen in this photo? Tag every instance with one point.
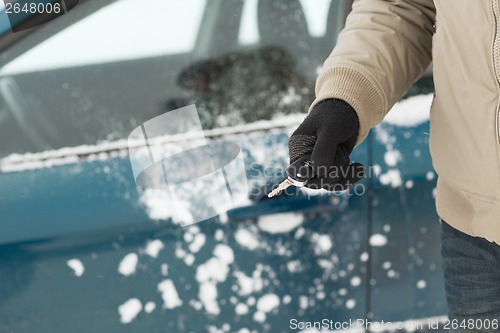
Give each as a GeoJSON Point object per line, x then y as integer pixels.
{"type": "Point", "coordinates": [385, 46]}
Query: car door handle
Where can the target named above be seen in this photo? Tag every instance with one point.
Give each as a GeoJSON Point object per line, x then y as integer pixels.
{"type": "Point", "coordinates": [330, 202]}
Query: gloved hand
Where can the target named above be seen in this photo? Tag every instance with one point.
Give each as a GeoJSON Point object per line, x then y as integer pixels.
{"type": "Point", "coordinates": [329, 133]}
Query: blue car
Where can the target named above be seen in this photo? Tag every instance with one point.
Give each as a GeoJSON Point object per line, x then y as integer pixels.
{"type": "Point", "coordinates": [85, 247]}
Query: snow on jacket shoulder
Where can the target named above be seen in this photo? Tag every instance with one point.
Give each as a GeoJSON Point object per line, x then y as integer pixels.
{"type": "Point", "coordinates": [387, 45]}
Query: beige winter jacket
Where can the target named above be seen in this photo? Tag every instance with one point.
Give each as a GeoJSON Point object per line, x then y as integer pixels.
{"type": "Point", "coordinates": [386, 45]}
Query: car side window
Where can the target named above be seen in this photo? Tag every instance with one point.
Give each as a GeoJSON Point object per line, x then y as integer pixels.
{"type": "Point", "coordinates": [103, 72]}
{"type": "Point", "coordinates": [315, 11]}
{"type": "Point", "coordinates": [271, 70]}
{"type": "Point", "coordinates": [99, 76]}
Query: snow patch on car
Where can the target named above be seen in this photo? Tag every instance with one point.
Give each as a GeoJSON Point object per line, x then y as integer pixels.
{"type": "Point", "coordinates": [410, 112]}
{"type": "Point", "coordinates": [153, 248]}
{"type": "Point", "coordinates": [280, 223]}
{"type": "Point", "coordinates": [149, 307]}
{"type": "Point", "coordinates": [407, 113]}
{"type": "Point", "coordinates": [355, 281]}
{"type": "Point", "coordinates": [247, 239]}
{"type": "Point", "coordinates": [391, 177]}
{"type": "Point", "coordinates": [322, 243]}
{"type": "Point", "coordinates": [154, 200]}
{"type": "Point", "coordinates": [378, 240]}
{"type": "Point", "coordinates": [248, 285]}
{"type": "Point", "coordinates": [266, 304]}
{"type": "Point", "coordinates": [169, 294]}
{"type": "Point", "coordinates": [197, 243]}
{"type": "Point", "coordinates": [392, 157]}
{"type": "Point", "coordinates": [128, 264]}
{"type": "Point", "coordinates": [421, 284]}
{"type": "Point", "coordinates": [213, 271]}
{"type": "Point", "coordinates": [241, 309]}
{"type": "Point", "coordinates": [294, 266]}
{"type": "Point", "coordinates": [350, 303]}
{"type": "Point", "coordinates": [105, 150]}
{"type": "Point", "coordinates": [129, 310]}
{"type": "Point", "coordinates": [77, 266]}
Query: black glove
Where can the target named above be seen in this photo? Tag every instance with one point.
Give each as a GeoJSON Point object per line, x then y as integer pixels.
{"type": "Point", "coordinates": [329, 133]}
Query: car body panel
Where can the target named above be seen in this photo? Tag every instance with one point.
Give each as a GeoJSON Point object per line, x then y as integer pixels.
{"type": "Point", "coordinates": [82, 248]}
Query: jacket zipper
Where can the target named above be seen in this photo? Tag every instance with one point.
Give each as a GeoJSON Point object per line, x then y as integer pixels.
{"type": "Point", "coordinates": [496, 58]}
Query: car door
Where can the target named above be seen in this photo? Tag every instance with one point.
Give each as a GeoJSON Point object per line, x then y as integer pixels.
{"type": "Point", "coordinates": [406, 251]}
{"type": "Point", "coordinates": [84, 249]}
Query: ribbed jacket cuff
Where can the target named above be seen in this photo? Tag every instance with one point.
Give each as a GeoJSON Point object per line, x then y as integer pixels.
{"type": "Point", "coordinates": [354, 88]}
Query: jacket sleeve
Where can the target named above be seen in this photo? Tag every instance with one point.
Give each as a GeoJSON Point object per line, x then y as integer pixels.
{"type": "Point", "coordinates": [384, 47]}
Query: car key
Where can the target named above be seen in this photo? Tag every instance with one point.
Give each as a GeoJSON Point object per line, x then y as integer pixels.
{"type": "Point", "coordinates": [297, 174]}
